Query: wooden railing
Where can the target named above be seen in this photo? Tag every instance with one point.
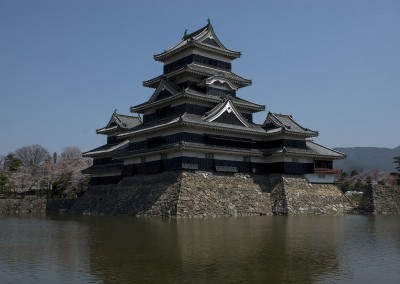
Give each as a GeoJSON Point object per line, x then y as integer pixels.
{"type": "Point", "coordinates": [327, 171]}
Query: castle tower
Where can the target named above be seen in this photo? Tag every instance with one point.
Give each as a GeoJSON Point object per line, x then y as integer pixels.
{"type": "Point", "coordinates": [196, 120]}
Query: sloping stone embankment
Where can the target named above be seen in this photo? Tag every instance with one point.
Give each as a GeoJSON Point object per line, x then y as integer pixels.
{"type": "Point", "coordinates": [381, 199]}
{"type": "Point", "coordinates": [296, 196]}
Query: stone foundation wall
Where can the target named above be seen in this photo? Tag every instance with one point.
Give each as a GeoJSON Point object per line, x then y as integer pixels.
{"type": "Point", "coordinates": [199, 194]}
{"type": "Point", "coordinates": [22, 206]}
{"type": "Point", "coordinates": [33, 205]}
{"type": "Point", "coordinates": [295, 196]}
{"type": "Point", "coordinates": [210, 194]}
{"type": "Point", "coordinates": [179, 194]}
{"type": "Point", "coordinates": [381, 199]}
{"type": "Point", "coordinates": [141, 195]}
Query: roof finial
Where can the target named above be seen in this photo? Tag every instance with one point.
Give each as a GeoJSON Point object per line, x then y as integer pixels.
{"type": "Point", "coordinates": [208, 22]}
{"type": "Point", "coordinates": [185, 33]}
{"type": "Point", "coordinates": [115, 111]}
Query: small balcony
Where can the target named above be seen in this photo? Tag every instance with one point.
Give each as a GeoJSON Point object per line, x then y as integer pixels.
{"type": "Point", "coordinates": [327, 171]}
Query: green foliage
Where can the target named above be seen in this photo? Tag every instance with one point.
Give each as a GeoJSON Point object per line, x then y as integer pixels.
{"type": "Point", "coordinates": [354, 173]}
{"type": "Point", "coordinates": [345, 186]}
{"type": "Point", "coordinates": [359, 186]}
{"type": "Point", "coordinates": [12, 163]}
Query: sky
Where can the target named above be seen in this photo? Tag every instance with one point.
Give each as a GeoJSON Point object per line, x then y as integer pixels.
{"type": "Point", "coordinates": [66, 65]}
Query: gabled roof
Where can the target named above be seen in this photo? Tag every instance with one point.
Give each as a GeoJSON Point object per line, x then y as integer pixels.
{"type": "Point", "coordinates": [278, 123]}
{"type": "Point", "coordinates": [199, 96]}
{"type": "Point", "coordinates": [167, 85]}
{"type": "Point", "coordinates": [200, 70]}
{"type": "Point", "coordinates": [218, 78]}
{"type": "Point", "coordinates": [225, 106]}
{"type": "Point", "coordinates": [204, 38]}
{"type": "Point", "coordinates": [119, 122]}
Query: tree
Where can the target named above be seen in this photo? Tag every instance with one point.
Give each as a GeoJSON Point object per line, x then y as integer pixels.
{"type": "Point", "coordinates": [3, 182]}
{"type": "Point", "coordinates": [70, 181]}
{"type": "Point", "coordinates": [32, 155]}
{"type": "Point", "coordinates": [12, 163]}
{"type": "Point", "coordinates": [396, 160]}
{"type": "Point", "coordinates": [2, 159]}
{"type": "Point", "coordinates": [71, 154]}
{"type": "Point", "coordinates": [354, 173]}
{"type": "Point", "coordinates": [359, 186]}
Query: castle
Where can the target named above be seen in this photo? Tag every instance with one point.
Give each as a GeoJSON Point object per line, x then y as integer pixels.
{"type": "Point", "coordinates": [195, 121]}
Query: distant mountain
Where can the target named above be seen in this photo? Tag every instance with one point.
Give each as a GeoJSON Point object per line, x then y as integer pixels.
{"type": "Point", "coordinates": [367, 158]}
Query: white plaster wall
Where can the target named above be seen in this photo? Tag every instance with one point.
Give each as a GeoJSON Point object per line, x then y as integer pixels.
{"type": "Point", "coordinates": [320, 178]}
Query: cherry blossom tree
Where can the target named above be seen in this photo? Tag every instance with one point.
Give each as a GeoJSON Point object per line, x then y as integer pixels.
{"type": "Point", "coordinates": [70, 181]}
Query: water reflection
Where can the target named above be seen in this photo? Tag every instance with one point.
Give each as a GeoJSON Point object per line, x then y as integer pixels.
{"type": "Point", "coordinates": [272, 249]}
{"type": "Point", "coordinates": [308, 249]}
{"type": "Point", "coordinates": [38, 250]}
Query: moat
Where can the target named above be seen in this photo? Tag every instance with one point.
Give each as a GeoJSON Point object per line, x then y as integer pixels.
{"type": "Point", "coordinates": [279, 249]}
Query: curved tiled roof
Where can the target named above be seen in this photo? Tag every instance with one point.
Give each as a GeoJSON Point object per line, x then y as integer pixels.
{"type": "Point", "coordinates": [325, 151]}
{"type": "Point", "coordinates": [275, 123]}
{"type": "Point", "coordinates": [119, 122]}
{"type": "Point", "coordinates": [196, 95]}
{"type": "Point", "coordinates": [106, 149]}
{"type": "Point", "coordinates": [200, 70]}
{"type": "Point", "coordinates": [198, 39]}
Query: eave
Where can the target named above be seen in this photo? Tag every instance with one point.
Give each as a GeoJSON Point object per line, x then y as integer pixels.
{"type": "Point", "coordinates": [284, 131]}
{"type": "Point", "coordinates": [93, 153]}
{"type": "Point", "coordinates": [108, 130]}
{"type": "Point", "coordinates": [185, 120]}
{"type": "Point", "coordinates": [196, 96]}
{"type": "Point", "coordinates": [293, 152]}
{"type": "Point", "coordinates": [202, 71]}
{"type": "Point", "coordinates": [193, 44]}
{"type": "Point", "coordinates": [182, 146]}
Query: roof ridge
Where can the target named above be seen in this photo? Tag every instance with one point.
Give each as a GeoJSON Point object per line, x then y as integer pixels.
{"type": "Point", "coordinates": [197, 32]}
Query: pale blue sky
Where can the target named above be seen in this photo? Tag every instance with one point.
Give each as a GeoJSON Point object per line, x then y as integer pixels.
{"type": "Point", "coordinates": [66, 65]}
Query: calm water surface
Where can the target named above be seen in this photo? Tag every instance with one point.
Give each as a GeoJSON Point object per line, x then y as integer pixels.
{"type": "Point", "coordinates": [309, 249]}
